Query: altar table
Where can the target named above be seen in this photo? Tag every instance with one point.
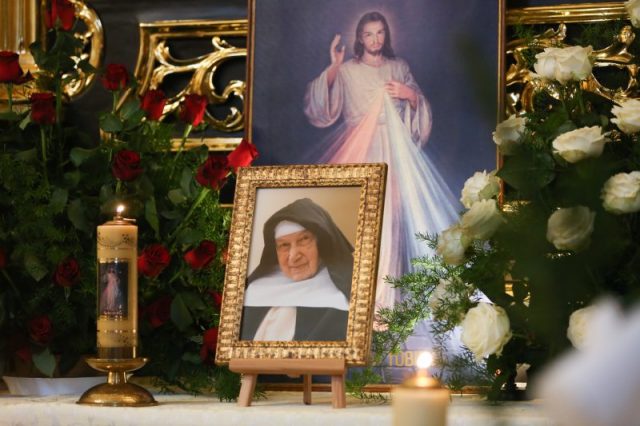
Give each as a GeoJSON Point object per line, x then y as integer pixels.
{"type": "Point", "coordinates": [277, 409]}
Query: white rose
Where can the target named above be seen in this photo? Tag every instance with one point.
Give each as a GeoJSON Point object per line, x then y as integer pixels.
{"type": "Point", "coordinates": [633, 9]}
{"type": "Point", "coordinates": [595, 324]}
{"type": "Point", "coordinates": [570, 228]}
{"type": "Point", "coordinates": [482, 219]}
{"type": "Point", "coordinates": [452, 244]}
{"type": "Point", "coordinates": [579, 325]}
{"type": "Point", "coordinates": [627, 115]}
{"type": "Point", "coordinates": [576, 145]}
{"type": "Point", "coordinates": [480, 186]}
{"type": "Point", "coordinates": [508, 133]}
{"type": "Point", "coordinates": [564, 64]}
{"type": "Point", "coordinates": [485, 330]}
{"type": "Point", "coordinates": [621, 193]}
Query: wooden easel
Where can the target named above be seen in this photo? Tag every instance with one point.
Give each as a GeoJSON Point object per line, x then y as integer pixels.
{"type": "Point", "coordinates": [250, 368]}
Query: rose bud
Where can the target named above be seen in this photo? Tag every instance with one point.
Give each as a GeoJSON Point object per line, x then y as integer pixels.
{"type": "Point", "coordinates": [201, 256]}
{"type": "Point", "coordinates": [193, 108]}
{"type": "Point", "coordinates": [153, 259]}
{"type": "Point", "coordinates": [216, 297]}
{"type": "Point", "coordinates": [3, 258]}
{"type": "Point", "coordinates": [153, 103]}
{"type": "Point", "coordinates": [115, 77]}
{"type": "Point", "coordinates": [243, 155]}
{"type": "Point", "coordinates": [10, 71]}
{"type": "Point", "coordinates": [43, 108]}
{"type": "Point", "coordinates": [67, 273]}
{"type": "Point", "coordinates": [213, 172]}
{"type": "Point", "coordinates": [61, 11]}
{"type": "Point", "coordinates": [158, 312]}
{"type": "Point", "coordinates": [40, 329]}
{"type": "Point", "coordinates": [209, 343]}
{"type": "Point", "coordinates": [126, 165]}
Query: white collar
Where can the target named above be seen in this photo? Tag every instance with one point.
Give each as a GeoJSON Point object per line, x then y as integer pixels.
{"type": "Point", "coordinates": [278, 290]}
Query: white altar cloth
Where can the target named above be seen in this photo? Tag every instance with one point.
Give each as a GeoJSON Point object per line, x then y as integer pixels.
{"type": "Point", "coordinates": [278, 409]}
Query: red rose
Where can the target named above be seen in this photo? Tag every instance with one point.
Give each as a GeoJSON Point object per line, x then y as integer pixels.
{"type": "Point", "coordinates": [213, 172]}
{"type": "Point", "coordinates": [243, 155]}
{"type": "Point", "coordinates": [115, 77]}
{"type": "Point", "coordinates": [201, 256]}
{"type": "Point", "coordinates": [158, 312]}
{"type": "Point", "coordinates": [193, 108]}
{"type": "Point", "coordinates": [40, 329]}
{"type": "Point", "coordinates": [43, 108]}
{"type": "Point", "coordinates": [67, 273]}
{"type": "Point", "coordinates": [216, 297]}
{"type": "Point", "coordinates": [153, 103]}
{"type": "Point", "coordinates": [10, 71]}
{"type": "Point", "coordinates": [209, 342]}
{"type": "Point", "coordinates": [24, 354]}
{"type": "Point", "coordinates": [126, 165]}
{"type": "Point", "coordinates": [3, 258]}
{"type": "Point", "coordinates": [153, 260]}
{"type": "Point", "coordinates": [62, 10]}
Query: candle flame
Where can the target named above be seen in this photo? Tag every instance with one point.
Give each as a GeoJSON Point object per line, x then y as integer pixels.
{"type": "Point", "coordinates": [119, 209]}
{"type": "Point", "coordinates": [424, 361]}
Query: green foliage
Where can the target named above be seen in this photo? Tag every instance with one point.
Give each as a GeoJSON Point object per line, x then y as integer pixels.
{"type": "Point", "coordinates": [57, 186]}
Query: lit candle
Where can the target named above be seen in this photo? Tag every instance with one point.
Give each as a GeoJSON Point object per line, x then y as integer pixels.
{"type": "Point", "coordinates": [420, 400]}
{"type": "Point", "coordinates": [117, 288]}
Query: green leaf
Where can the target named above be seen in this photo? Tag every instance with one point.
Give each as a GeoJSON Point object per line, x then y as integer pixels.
{"type": "Point", "coordinates": [192, 358]}
{"type": "Point", "coordinates": [528, 171]}
{"type": "Point", "coordinates": [106, 192]}
{"type": "Point", "coordinates": [177, 197]}
{"type": "Point", "coordinates": [180, 314]}
{"type": "Point", "coordinates": [25, 122]}
{"type": "Point", "coordinates": [72, 179]}
{"type": "Point", "coordinates": [189, 236]}
{"type": "Point", "coordinates": [129, 108]}
{"type": "Point", "coordinates": [110, 123]}
{"type": "Point", "coordinates": [35, 267]}
{"type": "Point", "coordinates": [151, 214]}
{"type": "Point", "coordinates": [45, 362]}
{"type": "Point", "coordinates": [185, 181]}
{"type": "Point", "coordinates": [27, 156]}
{"type": "Point", "coordinates": [193, 301]}
{"type": "Point", "coordinates": [80, 155]}
{"type": "Point", "coordinates": [9, 116]}
{"type": "Point", "coordinates": [58, 200]}
{"type": "Point", "coordinates": [75, 212]}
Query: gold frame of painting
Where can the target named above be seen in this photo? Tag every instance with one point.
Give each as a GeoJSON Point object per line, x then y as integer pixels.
{"type": "Point", "coordinates": [262, 190]}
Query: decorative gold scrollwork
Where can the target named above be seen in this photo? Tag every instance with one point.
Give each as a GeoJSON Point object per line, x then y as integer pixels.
{"type": "Point", "coordinates": [520, 81]}
{"type": "Point", "coordinates": [156, 62]}
{"type": "Point", "coordinates": [93, 41]}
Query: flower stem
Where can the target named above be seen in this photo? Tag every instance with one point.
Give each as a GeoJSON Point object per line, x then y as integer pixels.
{"type": "Point", "coordinates": [118, 187]}
{"type": "Point", "coordinates": [203, 194]}
{"type": "Point", "coordinates": [10, 95]}
{"type": "Point", "coordinates": [10, 281]}
{"type": "Point", "coordinates": [185, 134]}
{"type": "Point", "coordinates": [43, 143]}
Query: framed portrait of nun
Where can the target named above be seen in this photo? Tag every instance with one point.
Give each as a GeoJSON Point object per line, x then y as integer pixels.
{"type": "Point", "coordinates": [303, 254]}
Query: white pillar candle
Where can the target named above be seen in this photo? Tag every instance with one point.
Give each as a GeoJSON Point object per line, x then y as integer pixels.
{"type": "Point", "coordinates": [420, 401]}
{"type": "Point", "coordinates": [117, 288]}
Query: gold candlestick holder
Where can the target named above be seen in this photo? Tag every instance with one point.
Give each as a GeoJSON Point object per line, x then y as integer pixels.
{"type": "Point", "coordinates": [117, 392]}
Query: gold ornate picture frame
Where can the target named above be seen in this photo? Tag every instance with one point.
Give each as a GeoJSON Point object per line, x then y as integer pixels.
{"type": "Point", "coordinates": [353, 197]}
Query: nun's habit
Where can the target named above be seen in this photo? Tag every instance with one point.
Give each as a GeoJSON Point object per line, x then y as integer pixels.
{"type": "Point", "coordinates": [278, 308]}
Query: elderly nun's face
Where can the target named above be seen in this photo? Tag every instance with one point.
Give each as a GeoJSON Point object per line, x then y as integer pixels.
{"type": "Point", "coordinates": [298, 255]}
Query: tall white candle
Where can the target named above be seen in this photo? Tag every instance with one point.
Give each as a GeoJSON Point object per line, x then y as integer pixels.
{"type": "Point", "coordinates": [117, 288]}
{"type": "Point", "coordinates": [420, 401]}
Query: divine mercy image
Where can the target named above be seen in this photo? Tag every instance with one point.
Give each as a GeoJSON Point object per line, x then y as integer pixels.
{"type": "Point", "coordinates": [113, 296]}
{"type": "Point", "coordinates": [378, 82]}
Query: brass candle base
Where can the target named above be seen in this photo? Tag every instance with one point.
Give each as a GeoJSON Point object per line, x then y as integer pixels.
{"type": "Point", "coordinates": [117, 392]}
